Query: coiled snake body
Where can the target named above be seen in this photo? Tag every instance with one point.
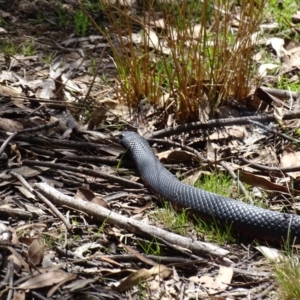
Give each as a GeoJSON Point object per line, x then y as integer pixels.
{"type": "Point", "coordinates": [243, 218]}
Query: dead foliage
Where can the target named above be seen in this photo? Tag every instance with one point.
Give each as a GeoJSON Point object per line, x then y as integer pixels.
{"type": "Point", "coordinates": [76, 221]}
{"type": "Point", "coordinates": [184, 59]}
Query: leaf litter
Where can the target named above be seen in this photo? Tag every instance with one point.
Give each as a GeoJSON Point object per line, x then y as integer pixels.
{"type": "Point", "coordinates": [42, 256]}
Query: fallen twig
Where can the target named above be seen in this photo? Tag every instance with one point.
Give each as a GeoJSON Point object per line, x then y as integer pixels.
{"type": "Point", "coordinates": [43, 199]}
{"type": "Point", "coordinates": [102, 214]}
{"type": "Point", "coordinates": [269, 169]}
{"type": "Point", "coordinates": [222, 122]}
{"type": "Point", "coordinates": [270, 130]}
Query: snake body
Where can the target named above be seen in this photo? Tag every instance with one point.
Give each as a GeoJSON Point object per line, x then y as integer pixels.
{"type": "Point", "coordinates": [248, 220]}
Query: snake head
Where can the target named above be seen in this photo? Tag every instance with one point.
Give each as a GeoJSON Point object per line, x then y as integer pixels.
{"type": "Point", "coordinates": [138, 147]}
{"type": "Point", "coordinates": [128, 138]}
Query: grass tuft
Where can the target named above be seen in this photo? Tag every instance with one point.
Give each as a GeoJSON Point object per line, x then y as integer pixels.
{"type": "Point", "coordinates": [178, 222]}
{"type": "Point", "coordinates": [287, 276]}
{"type": "Point", "coordinates": [190, 65]}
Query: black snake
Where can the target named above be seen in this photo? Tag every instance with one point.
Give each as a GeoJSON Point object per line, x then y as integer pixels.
{"type": "Point", "coordinates": [246, 219]}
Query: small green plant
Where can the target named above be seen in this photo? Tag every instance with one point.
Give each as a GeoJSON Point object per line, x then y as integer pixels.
{"type": "Point", "coordinates": [48, 58]}
{"type": "Point", "coordinates": [217, 183]}
{"type": "Point", "coordinates": [48, 240]}
{"type": "Point", "coordinates": [9, 49]}
{"type": "Point", "coordinates": [39, 19]}
{"type": "Point", "coordinates": [28, 49]}
{"type": "Point", "coordinates": [75, 222]}
{"type": "Point", "coordinates": [152, 247]}
{"type": "Point", "coordinates": [281, 12]}
{"type": "Point", "coordinates": [142, 290]}
{"type": "Point", "coordinates": [223, 185]}
{"type": "Point", "coordinates": [76, 237]}
{"type": "Point", "coordinates": [287, 276]}
{"type": "Point", "coordinates": [81, 22]}
{"type": "Point", "coordinates": [62, 16]}
{"type": "Point", "coordinates": [101, 228]}
{"type": "Point", "coordinates": [214, 232]}
{"type": "Point", "coordinates": [285, 84]}
{"type": "Point", "coordinates": [178, 222]}
{"type": "Point", "coordinates": [93, 66]}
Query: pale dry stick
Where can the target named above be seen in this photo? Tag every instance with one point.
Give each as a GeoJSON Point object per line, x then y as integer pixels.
{"type": "Point", "coordinates": [11, 279]}
{"type": "Point", "coordinates": [7, 141]}
{"type": "Point", "coordinates": [102, 214]}
{"type": "Point", "coordinates": [43, 199]}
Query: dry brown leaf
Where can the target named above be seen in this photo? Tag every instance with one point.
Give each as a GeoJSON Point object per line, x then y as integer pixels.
{"type": "Point", "coordinates": [19, 295]}
{"type": "Point", "coordinates": [262, 70]}
{"type": "Point", "coordinates": [161, 270]}
{"type": "Point", "coordinates": [101, 113]}
{"type": "Point", "coordinates": [36, 252]}
{"type": "Point", "coordinates": [259, 55]}
{"type": "Point", "coordinates": [25, 192]}
{"type": "Point", "coordinates": [87, 195]}
{"type": "Point", "coordinates": [57, 286]}
{"type": "Point", "coordinates": [44, 279]}
{"type": "Point", "coordinates": [46, 89]}
{"type": "Point", "coordinates": [176, 156]}
{"type": "Point", "coordinates": [278, 112]}
{"type": "Point", "coordinates": [133, 279]}
{"type": "Point", "coordinates": [17, 263]}
{"type": "Point", "coordinates": [85, 248]}
{"type": "Point", "coordinates": [18, 256]}
{"type": "Point", "coordinates": [5, 234]}
{"type": "Point", "coordinates": [291, 45]}
{"type": "Point", "coordinates": [160, 23]}
{"type": "Point", "coordinates": [139, 256]}
{"type": "Point", "coordinates": [194, 176]}
{"type": "Point", "coordinates": [99, 200]}
{"type": "Point", "coordinates": [277, 44]}
{"type": "Point", "coordinates": [217, 284]}
{"type": "Point", "coordinates": [290, 159]}
{"type": "Point", "coordinates": [142, 274]}
{"type": "Point", "coordinates": [228, 112]}
{"type": "Point", "coordinates": [14, 94]}
{"type": "Point", "coordinates": [197, 31]}
{"type": "Point", "coordinates": [10, 125]}
{"type": "Point", "coordinates": [224, 277]}
{"type": "Point", "coordinates": [27, 171]}
{"type": "Point", "coordinates": [263, 182]}
{"type": "Point", "coordinates": [234, 131]}
{"type": "Point", "coordinates": [271, 254]}
{"type": "Point", "coordinates": [265, 156]}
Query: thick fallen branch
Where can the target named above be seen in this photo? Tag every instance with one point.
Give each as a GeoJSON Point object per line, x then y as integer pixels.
{"type": "Point", "coordinates": [222, 122]}
{"type": "Point", "coordinates": [102, 214]}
